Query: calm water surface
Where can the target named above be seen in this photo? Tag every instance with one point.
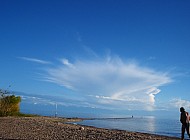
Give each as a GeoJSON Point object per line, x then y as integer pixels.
{"type": "Point", "coordinates": [144, 124]}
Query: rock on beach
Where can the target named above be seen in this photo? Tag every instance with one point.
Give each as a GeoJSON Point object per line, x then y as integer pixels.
{"type": "Point", "coordinates": [47, 128]}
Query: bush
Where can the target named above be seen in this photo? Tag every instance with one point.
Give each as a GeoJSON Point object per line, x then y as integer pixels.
{"type": "Point", "coordinates": [9, 104]}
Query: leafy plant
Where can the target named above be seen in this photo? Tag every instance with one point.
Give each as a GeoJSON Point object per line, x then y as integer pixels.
{"type": "Point", "coordinates": [9, 103]}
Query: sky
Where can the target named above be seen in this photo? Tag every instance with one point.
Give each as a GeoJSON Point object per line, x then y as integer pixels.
{"type": "Point", "coordinates": [102, 56]}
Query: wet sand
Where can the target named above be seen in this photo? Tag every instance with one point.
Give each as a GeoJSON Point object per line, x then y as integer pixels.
{"type": "Point", "coordinates": [47, 128]}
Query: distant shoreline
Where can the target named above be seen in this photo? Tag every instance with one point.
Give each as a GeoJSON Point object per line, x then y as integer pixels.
{"type": "Point", "coordinates": [50, 128]}
{"type": "Point", "coordinates": [107, 118]}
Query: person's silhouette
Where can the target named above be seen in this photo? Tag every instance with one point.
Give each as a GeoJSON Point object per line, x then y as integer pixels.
{"type": "Point", "coordinates": [184, 119]}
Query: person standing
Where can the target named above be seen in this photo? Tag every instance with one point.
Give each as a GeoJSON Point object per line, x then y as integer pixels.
{"type": "Point", "coordinates": [184, 119]}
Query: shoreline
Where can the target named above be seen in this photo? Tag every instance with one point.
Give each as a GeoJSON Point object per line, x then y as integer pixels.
{"type": "Point", "coordinates": [50, 128]}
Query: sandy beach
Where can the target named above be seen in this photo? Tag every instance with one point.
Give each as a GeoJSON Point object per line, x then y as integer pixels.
{"type": "Point", "coordinates": [47, 128]}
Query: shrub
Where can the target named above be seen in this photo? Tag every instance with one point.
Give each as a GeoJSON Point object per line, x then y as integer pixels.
{"type": "Point", "coordinates": [9, 103]}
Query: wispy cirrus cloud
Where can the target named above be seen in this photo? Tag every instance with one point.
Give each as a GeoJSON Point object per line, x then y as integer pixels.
{"type": "Point", "coordinates": [35, 60]}
{"type": "Point", "coordinates": [52, 100]}
{"type": "Point", "coordinates": [110, 82]}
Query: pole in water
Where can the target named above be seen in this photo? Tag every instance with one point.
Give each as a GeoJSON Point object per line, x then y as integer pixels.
{"type": "Point", "coordinates": [55, 109]}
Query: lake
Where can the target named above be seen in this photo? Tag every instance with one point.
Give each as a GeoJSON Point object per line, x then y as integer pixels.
{"type": "Point", "coordinates": [152, 125]}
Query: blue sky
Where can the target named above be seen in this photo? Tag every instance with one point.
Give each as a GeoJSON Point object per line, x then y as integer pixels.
{"type": "Point", "coordinates": [99, 54]}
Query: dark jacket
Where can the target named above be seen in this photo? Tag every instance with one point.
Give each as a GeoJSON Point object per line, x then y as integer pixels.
{"type": "Point", "coordinates": [183, 118]}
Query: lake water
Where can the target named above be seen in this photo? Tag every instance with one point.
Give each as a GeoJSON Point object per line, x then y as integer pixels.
{"type": "Point", "coordinates": [142, 124]}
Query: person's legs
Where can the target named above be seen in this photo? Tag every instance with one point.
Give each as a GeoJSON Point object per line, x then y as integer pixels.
{"type": "Point", "coordinates": [187, 129]}
{"type": "Point", "coordinates": [182, 131]}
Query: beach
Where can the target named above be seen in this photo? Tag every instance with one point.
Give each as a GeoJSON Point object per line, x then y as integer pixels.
{"type": "Point", "coordinates": [49, 128]}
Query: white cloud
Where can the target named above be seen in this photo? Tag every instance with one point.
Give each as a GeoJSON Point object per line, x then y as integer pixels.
{"type": "Point", "coordinates": [110, 82]}
{"type": "Point", "coordinates": [53, 100]}
{"type": "Point", "coordinates": [35, 60]}
{"type": "Point", "coordinates": [67, 63]}
{"type": "Point", "coordinates": [178, 102]}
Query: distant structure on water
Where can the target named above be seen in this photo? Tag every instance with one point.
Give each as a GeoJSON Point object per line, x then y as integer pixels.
{"type": "Point", "coordinates": [55, 109]}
